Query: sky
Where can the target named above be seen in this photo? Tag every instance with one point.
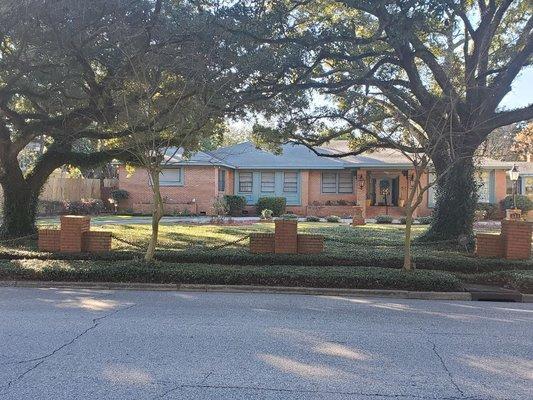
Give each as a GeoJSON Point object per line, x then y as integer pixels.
{"type": "Point", "coordinates": [521, 94]}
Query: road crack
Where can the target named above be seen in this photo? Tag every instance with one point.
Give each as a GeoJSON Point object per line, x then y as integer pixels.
{"type": "Point", "coordinates": [445, 367]}
{"type": "Point", "coordinates": [40, 360]}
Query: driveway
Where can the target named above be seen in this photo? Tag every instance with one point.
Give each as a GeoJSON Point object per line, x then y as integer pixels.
{"type": "Point", "coordinates": [86, 344]}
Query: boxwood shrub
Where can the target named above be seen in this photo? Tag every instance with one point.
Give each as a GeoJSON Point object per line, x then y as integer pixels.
{"type": "Point", "coordinates": [235, 204]}
{"type": "Point", "coordinates": [524, 203]}
{"type": "Point", "coordinates": [276, 204]}
{"type": "Point", "coordinates": [384, 219]}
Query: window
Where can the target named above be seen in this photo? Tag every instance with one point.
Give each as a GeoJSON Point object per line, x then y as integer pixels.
{"type": "Point", "coordinates": [170, 177]}
{"type": "Point", "coordinates": [290, 182]}
{"type": "Point", "coordinates": [509, 185]}
{"type": "Point", "coordinates": [483, 186]}
{"type": "Point", "coordinates": [337, 182]}
{"type": "Point", "coordinates": [528, 186]}
{"type": "Point", "coordinates": [345, 182]}
{"type": "Point", "coordinates": [245, 182]}
{"type": "Point", "coordinates": [221, 180]}
{"type": "Point", "coordinates": [268, 182]}
{"type": "Point", "coordinates": [329, 182]}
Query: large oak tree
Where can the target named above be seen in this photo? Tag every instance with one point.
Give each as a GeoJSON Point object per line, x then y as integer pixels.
{"type": "Point", "coordinates": [375, 66]}
{"type": "Point", "coordinates": [69, 72]}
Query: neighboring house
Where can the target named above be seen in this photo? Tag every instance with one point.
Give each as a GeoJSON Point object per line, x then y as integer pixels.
{"type": "Point", "coordinates": [313, 185]}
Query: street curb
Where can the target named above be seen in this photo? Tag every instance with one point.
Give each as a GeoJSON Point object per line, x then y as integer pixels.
{"type": "Point", "coordinates": [401, 294]}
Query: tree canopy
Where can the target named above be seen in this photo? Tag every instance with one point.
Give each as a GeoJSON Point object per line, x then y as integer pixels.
{"type": "Point", "coordinates": [73, 70]}
{"type": "Point", "coordinates": [372, 69]}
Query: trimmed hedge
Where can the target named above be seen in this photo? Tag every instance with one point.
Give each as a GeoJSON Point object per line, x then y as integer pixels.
{"type": "Point", "coordinates": [297, 276]}
{"type": "Point", "coordinates": [276, 204]}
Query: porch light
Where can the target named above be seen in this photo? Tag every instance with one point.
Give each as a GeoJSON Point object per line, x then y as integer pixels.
{"type": "Point", "coordinates": [513, 173]}
{"type": "Point", "coordinates": [412, 180]}
{"type": "Point", "coordinates": [361, 180]}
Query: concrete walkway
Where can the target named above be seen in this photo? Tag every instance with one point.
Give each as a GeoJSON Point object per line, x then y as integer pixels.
{"type": "Point", "coordinates": [88, 344]}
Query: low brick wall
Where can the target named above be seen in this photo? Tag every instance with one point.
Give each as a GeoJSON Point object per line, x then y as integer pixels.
{"type": "Point", "coordinates": [326, 211]}
{"type": "Point", "coordinates": [96, 241]}
{"type": "Point", "coordinates": [310, 244]}
{"type": "Point", "coordinates": [48, 239]}
{"type": "Point", "coordinates": [74, 236]}
{"type": "Point", "coordinates": [286, 240]}
{"type": "Point", "coordinates": [489, 245]}
{"type": "Point", "coordinates": [286, 237]}
{"type": "Point", "coordinates": [262, 243]}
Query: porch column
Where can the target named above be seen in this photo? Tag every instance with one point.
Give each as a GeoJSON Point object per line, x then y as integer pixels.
{"type": "Point", "coordinates": [361, 192]}
{"type": "Point", "coordinates": [304, 190]}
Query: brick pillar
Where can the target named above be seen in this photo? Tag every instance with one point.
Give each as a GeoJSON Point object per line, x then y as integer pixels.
{"type": "Point", "coordinates": [286, 237]}
{"type": "Point", "coordinates": [516, 237]}
{"type": "Point", "coordinates": [361, 193]}
{"type": "Point", "coordinates": [72, 229]}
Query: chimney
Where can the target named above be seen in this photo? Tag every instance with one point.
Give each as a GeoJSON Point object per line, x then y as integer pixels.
{"type": "Point", "coordinates": [528, 156]}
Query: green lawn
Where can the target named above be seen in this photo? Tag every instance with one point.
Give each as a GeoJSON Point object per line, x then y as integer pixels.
{"type": "Point", "coordinates": [348, 249]}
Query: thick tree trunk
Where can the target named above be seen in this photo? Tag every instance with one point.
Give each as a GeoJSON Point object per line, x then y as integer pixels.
{"type": "Point", "coordinates": [157, 214]}
{"type": "Point", "coordinates": [456, 199]}
{"type": "Point", "coordinates": [19, 209]}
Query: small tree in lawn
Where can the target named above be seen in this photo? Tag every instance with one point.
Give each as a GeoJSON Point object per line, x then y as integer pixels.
{"type": "Point", "coordinates": [181, 90]}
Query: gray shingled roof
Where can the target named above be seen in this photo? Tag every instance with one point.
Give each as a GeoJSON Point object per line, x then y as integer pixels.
{"type": "Point", "coordinates": [247, 156]}
{"type": "Point", "coordinates": [294, 156]}
{"type": "Point", "coordinates": [174, 156]}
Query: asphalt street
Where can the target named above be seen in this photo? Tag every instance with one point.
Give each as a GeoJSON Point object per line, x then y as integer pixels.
{"type": "Point", "coordinates": [86, 344]}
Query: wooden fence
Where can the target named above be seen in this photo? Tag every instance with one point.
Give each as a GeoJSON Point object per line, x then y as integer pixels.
{"type": "Point", "coordinates": [74, 189]}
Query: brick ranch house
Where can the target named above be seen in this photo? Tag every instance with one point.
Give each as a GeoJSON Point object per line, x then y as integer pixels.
{"type": "Point", "coordinates": [313, 185]}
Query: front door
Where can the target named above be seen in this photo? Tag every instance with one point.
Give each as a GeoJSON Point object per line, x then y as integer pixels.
{"type": "Point", "coordinates": [384, 193]}
{"type": "Point", "coordinates": [385, 190]}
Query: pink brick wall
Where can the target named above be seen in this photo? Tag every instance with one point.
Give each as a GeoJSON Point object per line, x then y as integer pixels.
{"type": "Point", "coordinates": [197, 194]}
{"type": "Point", "coordinates": [500, 184]}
